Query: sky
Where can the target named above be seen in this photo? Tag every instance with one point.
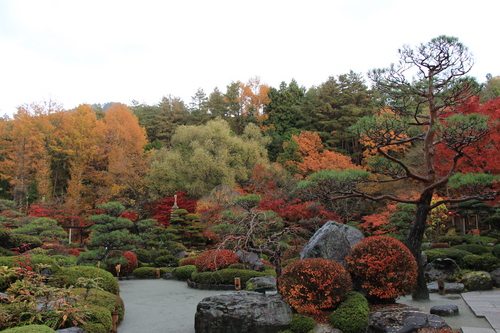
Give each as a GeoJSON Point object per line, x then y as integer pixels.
{"type": "Point", "coordinates": [98, 51]}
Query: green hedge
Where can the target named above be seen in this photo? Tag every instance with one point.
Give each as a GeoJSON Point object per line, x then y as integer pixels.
{"type": "Point", "coordinates": [301, 324]}
{"type": "Point", "coordinates": [102, 298]}
{"type": "Point", "coordinates": [227, 275]}
{"type": "Point", "coordinates": [473, 248]}
{"type": "Point", "coordinates": [69, 276]}
{"type": "Point", "coordinates": [184, 272]}
{"type": "Point", "coordinates": [352, 315]}
{"type": "Point", "coordinates": [148, 272]}
{"type": "Point", "coordinates": [486, 262]}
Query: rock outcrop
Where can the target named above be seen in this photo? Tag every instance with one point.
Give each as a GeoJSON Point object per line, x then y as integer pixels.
{"type": "Point", "coordinates": [242, 312]}
{"type": "Point", "coordinates": [332, 241]}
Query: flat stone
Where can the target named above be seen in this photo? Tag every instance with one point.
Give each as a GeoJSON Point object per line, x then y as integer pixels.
{"type": "Point", "coordinates": [449, 288]}
{"type": "Point", "coordinates": [445, 310]}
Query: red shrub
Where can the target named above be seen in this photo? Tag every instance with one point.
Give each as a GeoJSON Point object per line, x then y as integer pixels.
{"type": "Point", "coordinates": [131, 264]}
{"type": "Point", "coordinates": [314, 285]}
{"type": "Point", "coordinates": [187, 261]}
{"type": "Point", "coordinates": [74, 252]}
{"type": "Point", "coordinates": [383, 266]}
{"type": "Point", "coordinates": [440, 245]}
{"type": "Point", "coordinates": [214, 260]}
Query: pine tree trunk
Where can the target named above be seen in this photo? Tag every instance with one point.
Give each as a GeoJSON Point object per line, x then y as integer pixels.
{"type": "Point", "coordinates": [414, 244]}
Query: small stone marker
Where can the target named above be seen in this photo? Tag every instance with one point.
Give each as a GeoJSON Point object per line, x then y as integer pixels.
{"type": "Point", "coordinates": [445, 310]}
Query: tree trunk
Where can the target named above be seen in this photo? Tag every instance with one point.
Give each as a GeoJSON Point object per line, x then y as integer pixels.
{"type": "Point", "coordinates": [414, 244]}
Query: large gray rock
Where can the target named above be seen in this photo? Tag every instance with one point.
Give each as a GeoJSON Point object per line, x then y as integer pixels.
{"type": "Point", "coordinates": [242, 312]}
{"type": "Point", "coordinates": [403, 320]}
{"type": "Point", "coordinates": [449, 288]}
{"type": "Point", "coordinates": [440, 268]}
{"type": "Point", "coordinates": [495, 277]}
{"type": "Point", "coordinates": [478, 281]}
{"type": "Point", "coordinates": [251, 260]}
{"type": "Point", "coordinates": [332, 241]}
{"type": "Point", "coordinates": [261, 283]}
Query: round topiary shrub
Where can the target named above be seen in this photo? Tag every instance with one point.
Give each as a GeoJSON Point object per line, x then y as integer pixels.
{"type": "Point", "coordinates": [187, 261]}
{"type": "Point", "coordinates": [214, 260]}
{"type": "Point", "coordinates": [352, 315]}
{"type": "Point", "coordinates": [184, 272]}
{"type": "Point", "coordinates": [166, 260]}
{"type": "Point", "coordinates": [97, 319]}
{"type": "Point", "coordinates": [143, 255]}
{"type": "Point", "coordinates": [314, 285]}
{"type": "Point", "coordinates": [383, 267]}
{"type": "Point", "coordinates": [301, 324]}
{"type": "Point", "coordinates": [30, 329]}
{"type": "Point", "coordinates": [435, 254]}
{"type": "Point", "coordinates": [131, 264]}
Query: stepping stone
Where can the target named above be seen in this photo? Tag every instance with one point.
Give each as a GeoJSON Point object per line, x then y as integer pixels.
{"type": "Point", "coordinates": [445, 310]}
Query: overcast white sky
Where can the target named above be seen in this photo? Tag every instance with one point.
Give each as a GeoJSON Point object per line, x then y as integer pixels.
{"type": "Point", "coordinates": [99, 51]}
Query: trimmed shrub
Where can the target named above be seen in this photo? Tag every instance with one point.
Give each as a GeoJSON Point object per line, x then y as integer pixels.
{"type": "Point", "coordinates": [486, 262]}
{"type": "Point", "coordinates": [314, 285]}
{"type": "Point", "coordinates": [227, 275]}
{"type": "Point", "coordinates": [435, 254]}
{"type": "Point", "coordinates": [69, 276]}
{"type": "Point", "coordinates": [149, 272]}
{"type": "Point", "coordinates": [98, 320]}
{"type": "Point", "coordinates": [452, 240]}
{"type": "Point", "coordinates": [166, 260]}
{"type": "Point", "coordinates": [184, 272]}
{"type": "Point", "coordinates": [102, 298]}
{"type": "Point", "coordinates": [17, 240]}
{"type": "Point", "coordinates": [237, 266]}
{"type": "Point", "coordinates": [496, 251]}
{"type": "Point", "coordinates": [144, 255]}
{"type": "Point", "coordinates": [64, 261]}
{"type": "Point", "coordinates": [383, 267]}
{"type": "Point", "coordinates": [301, 324]}
{"type": "Point", "coordinates": [187, 261]}
{"type": "Point", "coordinates": [132, 263]}
{"type": "Point", "coordinates": [473, 248]}
{"type": "Point", "coordinates": [352, 315]}
{"type": "Point", "coordinates": [214, 260]}
{"type": "Point", "coordinates": [440, 245]}
{"type": "Point", "coordinates": [455, 254]}
{"type": "Point", "coordinates": [30, 329]}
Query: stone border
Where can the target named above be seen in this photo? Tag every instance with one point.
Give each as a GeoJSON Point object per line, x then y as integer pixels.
{"type": "Point", "coordinates": [205, 286]}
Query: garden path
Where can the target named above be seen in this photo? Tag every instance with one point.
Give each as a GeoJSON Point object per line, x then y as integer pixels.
{"type": "Point", "coordinates": [160, 306]}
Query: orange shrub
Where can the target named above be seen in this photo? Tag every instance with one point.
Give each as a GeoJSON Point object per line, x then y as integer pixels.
{"type": "Point", "coordinates": [383, 267]}
{"type": "Point", "coordinates": [187, 261]}
{"type": "Point", "coordinates": [314, 285]}
{"type": "Point", "coordinates": [74, 252]}
{"type": "Point", "coordinates": [213, 260]}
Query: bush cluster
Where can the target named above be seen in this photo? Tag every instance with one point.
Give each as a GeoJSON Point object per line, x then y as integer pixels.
{"type": "Point", "coordinates": [383, 267]}
{"type": "Point", "coordinates": [30, 329]}
{"type": "Point", "coordinates": [440, 245]}
{"type": "Point", "coordinates": [486, 262]}
{"type": "Point", "coordinates": [352, 315]}
{"type": "Point", "coordinates": [452, 240]}
{"type": "Point", "coordinates": [496, 251]}
{"type": "Point", "coordinates": [213, 260]}
{"type": "Point", "coordinates": [314, 285]}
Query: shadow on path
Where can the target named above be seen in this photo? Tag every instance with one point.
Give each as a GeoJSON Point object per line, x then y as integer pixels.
{"type": "Point", "coordinates": [159, 306]}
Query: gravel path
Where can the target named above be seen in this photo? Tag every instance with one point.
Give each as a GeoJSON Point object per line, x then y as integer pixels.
{"type": "Point", "coordinates": [160, 306]}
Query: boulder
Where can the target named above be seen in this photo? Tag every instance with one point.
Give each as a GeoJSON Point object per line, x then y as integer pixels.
{"type": "Point", "coordinates": [251, 260]}
{"type": "Point", "coordinates": [332, 241]}
{"type": "Point", "coordinates": [403, 319]}
{"type": "Point", "coordinates": [261, 283]}
{"type": "Point", "coordinates": [449, 288]}
{"type": "Point", "coordinates": [495, 277]}
{"type": "Point", "coordinates": [169, 276]}
{"type": "Point", "coordinates": [325, 328]}
{"type": "Point", "coordinates": [476, 281]}
{"type": "Point", "coordinates": [242, 312]}
{"type": "Point", "coordinates": [445, 310]}
{"type": "Point", "coordinates": [440, 268]}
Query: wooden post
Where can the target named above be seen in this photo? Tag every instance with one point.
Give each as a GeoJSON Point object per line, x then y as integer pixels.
{"type": "Point", "coordinates": [441, 289]}
{"type": "Point", "coordinates": [158, 273]}
{"type": "Point", "coordinates": [114, 315]}
{"type": "Point", "coordinates": [237, 283]}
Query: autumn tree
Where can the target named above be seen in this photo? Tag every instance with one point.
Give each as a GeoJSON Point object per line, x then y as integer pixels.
{"type": "Point", "coordinates": [202, 157]}
{"type": "Point", "coordinates": [310, 155]}
{"type": "Point", "coordinates": [427, 91]}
